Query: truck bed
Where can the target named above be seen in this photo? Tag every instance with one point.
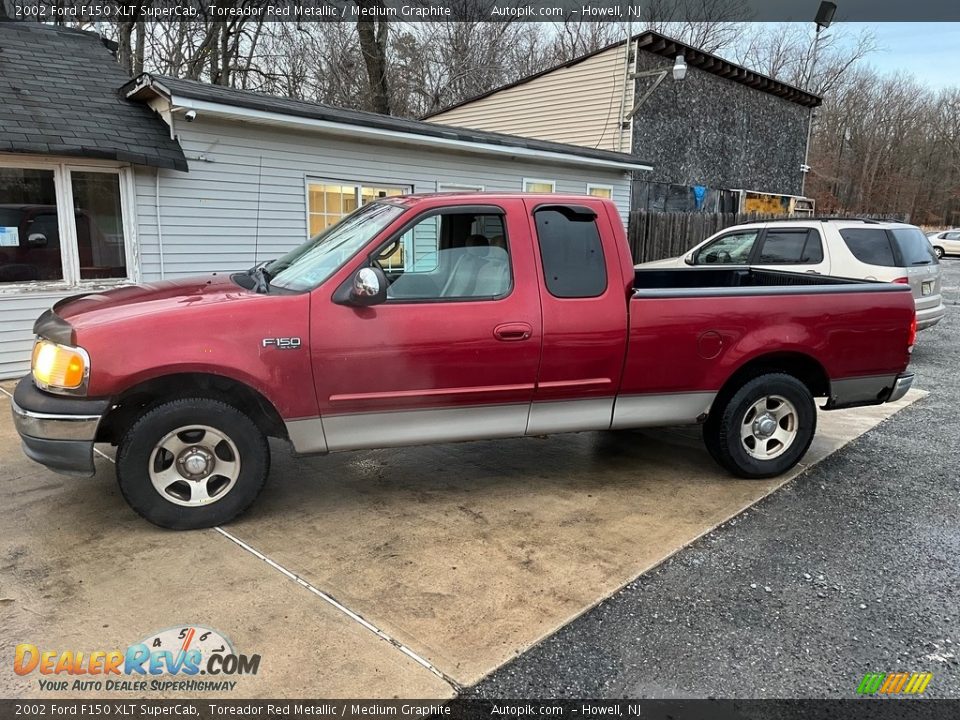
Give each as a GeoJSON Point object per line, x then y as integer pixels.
{"type": "Point", "coordinates": [691, 329]}
{"type": "Point", "coordinates": [697, 281]}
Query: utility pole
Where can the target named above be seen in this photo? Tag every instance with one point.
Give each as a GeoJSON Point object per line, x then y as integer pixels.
{"type": "Point", "coordinates": [823, 19]}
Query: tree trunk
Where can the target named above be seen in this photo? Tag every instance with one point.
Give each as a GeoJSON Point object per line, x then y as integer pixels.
{"type": "Point", "coordinates": [373, 45]}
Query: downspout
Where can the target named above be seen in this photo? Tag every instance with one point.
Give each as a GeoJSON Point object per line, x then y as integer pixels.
{"type": "Point", "coordinates": [628, 45]}
{"type": "Point", "coordinates": [159, 225]}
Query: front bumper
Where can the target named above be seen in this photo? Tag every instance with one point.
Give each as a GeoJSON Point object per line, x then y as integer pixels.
{"type": "Point", "coordinates": [58, 432]}
{"type": "Point", "coordinates": [870, 390]}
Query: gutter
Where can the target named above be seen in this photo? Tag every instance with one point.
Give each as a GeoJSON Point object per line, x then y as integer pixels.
{"type": "Point", "coordinates": [232, 112]}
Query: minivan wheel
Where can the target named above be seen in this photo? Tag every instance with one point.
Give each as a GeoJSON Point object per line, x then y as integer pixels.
{"type": "Point", "coordinates": [764, 428]}
{"type": "Point", "coordinates": [192, 463]}
{"type": "Point", "coordinates": [938, 251]}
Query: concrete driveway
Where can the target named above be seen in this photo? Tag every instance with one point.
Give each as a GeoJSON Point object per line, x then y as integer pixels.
{"type": "Point", "coordinates": [406, 572]}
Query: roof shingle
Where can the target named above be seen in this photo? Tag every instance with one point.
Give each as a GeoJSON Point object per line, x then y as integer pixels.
{"type": "Point", "coordinates": [59, 89]}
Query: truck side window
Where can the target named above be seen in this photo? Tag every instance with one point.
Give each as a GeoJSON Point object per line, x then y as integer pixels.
{"type": "Point", "coordinates": [732, 249]}
{"type": "Point", "coordinates": [791, 246]}
{"type": "Point", "coordinates": [572, 254]}
{"type": "Point", "coordinates": [452, 256]}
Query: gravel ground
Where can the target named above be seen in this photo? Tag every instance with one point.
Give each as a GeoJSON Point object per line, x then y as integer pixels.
{"type": "Point", "coordinates": [852, 568]}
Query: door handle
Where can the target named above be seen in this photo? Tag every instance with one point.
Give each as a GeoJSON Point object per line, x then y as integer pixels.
{"type": "Point", "coordinates": [512, 332]}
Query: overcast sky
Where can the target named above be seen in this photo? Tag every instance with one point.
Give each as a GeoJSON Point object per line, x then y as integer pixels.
{"type": "Point", "coordinates": [930, 51]}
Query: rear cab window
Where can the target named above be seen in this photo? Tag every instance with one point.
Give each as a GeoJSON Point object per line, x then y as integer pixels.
{"type": "Point", "coordinates": [571, 251]}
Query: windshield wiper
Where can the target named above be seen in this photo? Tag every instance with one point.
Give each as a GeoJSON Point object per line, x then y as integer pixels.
{"type": "Point", "coordinates": [261, 279]}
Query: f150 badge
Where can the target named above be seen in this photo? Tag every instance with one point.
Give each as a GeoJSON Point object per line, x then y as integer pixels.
{"type": "Point", "coordinates": [287, 343]}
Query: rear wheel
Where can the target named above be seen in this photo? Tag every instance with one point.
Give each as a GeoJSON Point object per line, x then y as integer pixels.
{"type": "Point", "coordinates": [192, 463]}
{"type": "Point", "coordinates": [764, 428]}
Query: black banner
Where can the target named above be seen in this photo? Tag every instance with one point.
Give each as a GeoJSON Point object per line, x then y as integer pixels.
{"type": "Point", "coordinates": [636, 11]}
{"type": "Point", "coordinates": [865, 709]}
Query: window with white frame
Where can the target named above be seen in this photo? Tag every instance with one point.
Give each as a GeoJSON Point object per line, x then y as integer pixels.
{"type": "Point", "coordinates": [458, 187]}
{"type": "Point", "coordinates": [539, 186]}
{"type": "Point", "coordinates": [61, 224]}
{"type": "Point", "coordinates": [602, 191]}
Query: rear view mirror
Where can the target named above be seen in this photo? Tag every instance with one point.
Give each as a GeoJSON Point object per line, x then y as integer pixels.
{"type": "Point", "coordinates": [688, 259]}
{"type": "Point", "coordinates": [368, 286]}
{"type": "Point", "coordinates": [36, 240]}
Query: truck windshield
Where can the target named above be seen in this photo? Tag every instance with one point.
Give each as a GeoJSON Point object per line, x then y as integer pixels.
{"type": "Point", "coordinates": [308, 265]}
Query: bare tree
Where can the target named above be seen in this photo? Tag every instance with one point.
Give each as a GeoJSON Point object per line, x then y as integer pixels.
{"type": "Point", "coordinates": [374, 34]}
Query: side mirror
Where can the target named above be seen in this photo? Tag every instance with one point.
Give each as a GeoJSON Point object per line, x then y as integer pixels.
{"type": "Point", "coordinates": [368, 286]}
{"type": "Point", "coordinates": [36, 240]}
{"type": "Point", "coordinates": [688, 258]}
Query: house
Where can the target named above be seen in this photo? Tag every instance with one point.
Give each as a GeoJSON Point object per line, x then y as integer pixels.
{"type": "Point", "coordinates": [722, 138]}
{"type": "Point", "coordinates": [106, 180]}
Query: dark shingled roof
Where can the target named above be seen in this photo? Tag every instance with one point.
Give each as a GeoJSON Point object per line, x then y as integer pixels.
{"type": "Point", "coordinates": [194, 90]}
{"type": "Point", "coordinates": [58, 96]}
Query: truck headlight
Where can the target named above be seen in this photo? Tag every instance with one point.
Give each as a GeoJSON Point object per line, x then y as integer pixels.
{"type": "Point", "coordinates": [60, 368]}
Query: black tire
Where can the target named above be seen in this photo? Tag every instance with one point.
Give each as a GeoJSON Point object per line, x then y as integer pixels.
{"type": "Point", "coordinates": [137, 447]}
{"type": "Point", "coordinates": [939, 252]}
{"type": "Point", "coordinates": [721, 432]}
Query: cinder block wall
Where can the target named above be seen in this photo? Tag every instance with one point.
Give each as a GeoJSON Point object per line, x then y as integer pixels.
{"type": "Point", "coordinates": [707, 130]}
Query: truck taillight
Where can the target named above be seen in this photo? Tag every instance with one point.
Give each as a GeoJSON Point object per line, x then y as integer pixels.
{"type": "Point", "coordinates": [902, 281]}
{"type": "Point", "coordinates": [912, 336]}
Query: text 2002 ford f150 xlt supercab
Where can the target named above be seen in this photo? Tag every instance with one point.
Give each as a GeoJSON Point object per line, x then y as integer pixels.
{"type": "Point", "coordinates": [439, 318]}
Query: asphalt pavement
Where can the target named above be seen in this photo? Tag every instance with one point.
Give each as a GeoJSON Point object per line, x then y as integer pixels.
{"type": "Point", "coordinates": [851, 568]}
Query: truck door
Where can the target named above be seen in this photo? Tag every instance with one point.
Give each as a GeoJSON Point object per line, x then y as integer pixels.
{"type": "Point", "coordinates": [584, 318]}
{"type": "Point", "coordinates": [453, 352]}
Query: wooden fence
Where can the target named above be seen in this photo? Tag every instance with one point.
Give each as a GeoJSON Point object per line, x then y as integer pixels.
{"type": "Point", "coordinates": [654, 236]}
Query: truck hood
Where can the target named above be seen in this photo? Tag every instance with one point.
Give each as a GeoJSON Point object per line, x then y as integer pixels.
{"type": "Point", "coordinates": [149, 299]}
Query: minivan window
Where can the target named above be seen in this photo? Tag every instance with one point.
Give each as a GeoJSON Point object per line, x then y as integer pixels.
{"type": "Point", "coordinates": [732, 249]}
{"type": "Point", "coordinates": [870, 245]}
{"type": "Point", "coordinates": [791, 247]}
{"type": "Point", "coordinates": [914, 247]}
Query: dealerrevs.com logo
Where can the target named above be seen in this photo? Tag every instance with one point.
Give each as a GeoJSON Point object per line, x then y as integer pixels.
{"type": "Point", "coordinates": [170, 660]}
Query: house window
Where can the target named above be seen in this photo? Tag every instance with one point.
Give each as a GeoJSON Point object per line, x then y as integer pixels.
{"type": "Point", "coordinates": [101, 246]}
{"type": "Point", "coordinates": [601, 191]}
{"type": "Point", "coordinates": [539, 186]}
{"type": "Point", "coordinates": [458, 187]}
{"type": "Point", "coordinates": [39, 242]}
{"type": "Point", "coordinates": [29, 234]}
{"type": "Point", "coordinates": [328, 202]}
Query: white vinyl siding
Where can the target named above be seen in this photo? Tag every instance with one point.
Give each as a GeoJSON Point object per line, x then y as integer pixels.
{"type": "Point", "coordinates": [246, 202]}
{"type": "Point", "coordinates": [578, 104]}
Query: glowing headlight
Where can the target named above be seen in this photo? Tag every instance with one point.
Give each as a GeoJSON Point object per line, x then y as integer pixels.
{"type": "Point", "coordinates": [59, 367]}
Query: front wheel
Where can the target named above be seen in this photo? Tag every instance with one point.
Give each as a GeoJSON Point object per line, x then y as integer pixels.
{"type": "Point", "coordinates": [192, 463]}
{"type": "Point", "coordinates": [938, 251]}
{"type": "Point", "coordinates": [764, 428]}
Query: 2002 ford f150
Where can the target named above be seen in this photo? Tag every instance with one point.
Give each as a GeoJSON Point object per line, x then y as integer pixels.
{"type": "Point", "coordinates": [436, 318]}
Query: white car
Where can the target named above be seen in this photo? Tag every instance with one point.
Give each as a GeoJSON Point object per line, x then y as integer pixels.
{"type": "Point", "coordinates": [945, 242]}
{"type": "Point", "coordinates": [851, 248]}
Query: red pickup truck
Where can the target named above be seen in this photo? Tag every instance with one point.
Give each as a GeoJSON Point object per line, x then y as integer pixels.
{"type": "Point", "coordinates": [438, 318]}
